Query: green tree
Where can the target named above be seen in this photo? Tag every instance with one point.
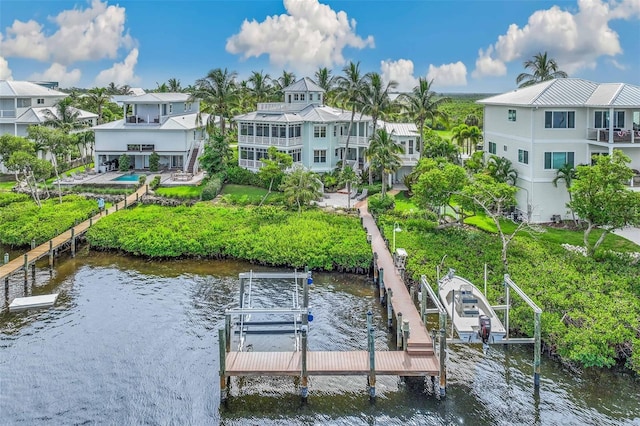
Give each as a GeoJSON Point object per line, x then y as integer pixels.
{"type": "Point", "coordinates": [97, 98]}
{"type": "Point", "coordinates": [437, 183]}
{"type": "Point", "coordinates": [501, 169]}
{"type": "Point", "coordinates": [285, 80]}
{"type": "Point", "coordinates": [29, 169]}
{"type": "Point", "coordinates": [124, 163]}
{"type": "Point", "coordinates": [301, 186]}
{"type": "Point", "coordinates": [475, 163]}
{"type": "Point", "coordinates": [66, 117]}
{"type": "Point", "coordinates": [216, 155]}
{"type": "Point", "coordinates": [350, 93]}
{"type": "Point", "coordinates": [566, 173]}
{"type": "Point", "coordinates": [543, 68]}
{"type": "Point", "coordinates": [422, 104]}
{"type": "Point", "coordinates": [436, 146]}
{"type": "Point", "coordinates": [460, 135]}
{"type": "Point", "coordinates": [324, 79]}
{"type": "Point", "coordinates": [217, 90]}
{"type": "Point", "coordinates": [273, 167]}
{"type": "Point", "coordinates": [54, 141]}
{"type": "Point", "coordinates": [385, 155]}
{"type": "Point", "coordinates": [348, 177]}
{"type": "Point", "coordinates": [259, 86]}
{"type": "Point", "coordinates": [154, 162]}
{"type": "Point", "coordinates": [174, 85]}
{"type": "Point", "coordinates": [601, 198]}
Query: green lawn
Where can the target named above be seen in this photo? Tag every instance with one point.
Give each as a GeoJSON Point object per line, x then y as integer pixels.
{"type": "Point", "coordinates": [7, 186]}
{"type": "Point", "coordinates": [444, 133]}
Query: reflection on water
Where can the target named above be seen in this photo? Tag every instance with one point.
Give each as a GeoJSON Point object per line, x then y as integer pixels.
{"type": "Point", "coordinates": [132, 341]}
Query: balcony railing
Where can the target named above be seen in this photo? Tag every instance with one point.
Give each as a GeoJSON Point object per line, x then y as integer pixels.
{"type": "Point", "coordinates": [251, 164]}
{"type": "Point", "coordinates": [269, 141]}
{"type": "Point", "coordinates": [7, 113]}
{"type": "Point", "coordinates": [137, 119]}
{"type": "Point", "coordinates": [409, 159]}
{"type": "Point", "coordinates": [619, 135]}
{"type": "Point", "coordinates": [280, 107]}
{"type": "Point", "coordinates": [355, 140]}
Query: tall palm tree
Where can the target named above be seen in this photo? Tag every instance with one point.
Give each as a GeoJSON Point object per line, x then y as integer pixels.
{"type": "Point", "coordinates": [217, 90]}
{"type": "Point", "coordinates": [567, 173]}
{"type": "Point", "coordinates": [376, 101]}
{"type": "Point", "coordinates": [460, 135]}
{"type": "Point", "coordinates": [301, 186]}
{"type": "Point", "coordinates": [474, 137]}
{"type": "Point", "coordinates": [286, 79]}
{"type": "Point", "coordinates": [66, 117]}
{"type": "Point", "coordinates": [259, 86]}
{"type": "Point", "coordinates": [98, 98]}
{"type": "Point", "coordinates": [174, 85]}
{"type": "Point", "coordinates": [385, 155]}
{"type": "Point", "coordinates": [113, 89]}
{"type": "Point", "coordinates": [350, 93]}
{"type": "Point", "coordinates": [543, 68]}
{"type": "Point", "coordinates": [325, 80]}
{"type": "Point", "coordinates": [421, 104]}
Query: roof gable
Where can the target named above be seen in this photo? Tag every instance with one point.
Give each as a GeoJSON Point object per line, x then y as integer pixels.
{"type": "Point", "coordinates": [304, 85]}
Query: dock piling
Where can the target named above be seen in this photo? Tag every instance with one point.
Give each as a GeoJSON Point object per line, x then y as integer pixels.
{"type": "Point", "coordinates": [405, 334]}
{"type": "Point", "coordinates": [223, 360]}
{"type": "Point", "coordinates": [51, 256]}
{"type": "Point", "coordinates": [26, 274]}
{"type": "Point", "coordinates": [399, 330]}
{"type": "Point", "coordinates": [304, 389]}
{"type": "Point", "coordinates": [371, 380]}
{"type": "Point", "coordinates": [73, 242]}
{"type": "Point", "coordinates": [389, 309]}
{"type": "Point", "coordinates": [381, 284]}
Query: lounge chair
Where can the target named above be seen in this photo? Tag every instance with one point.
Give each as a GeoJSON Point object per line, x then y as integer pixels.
{"type": "Point", "coordinates": [363, 195]}
{"type": "Point", "coordinates": [354, 193]}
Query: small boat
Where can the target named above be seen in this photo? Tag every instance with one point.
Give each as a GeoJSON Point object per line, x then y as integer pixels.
{"type": "Point", "coordinates": [472, 316]}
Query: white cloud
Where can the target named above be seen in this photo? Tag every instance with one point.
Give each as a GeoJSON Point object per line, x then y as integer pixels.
{"type": "Point", "coordinates": [574, 40]}
{"type": "Point", "coordinates": [401, 71]}
{"type": "Point", "coordinates": [94, 33]}
{"type": "Point", "coordinates": [120, 73]}
{"type": "Point", "coordinates": [59, 73]}
{"type": "Point", "coordinates": [5, 71]}
{"type": "Point", "coordinates": [453, 74]}
{"type": "Point", "coordinates": [308, 36]}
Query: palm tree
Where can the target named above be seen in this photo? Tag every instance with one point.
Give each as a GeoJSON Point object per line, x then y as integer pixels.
{"type": "Point", "coordinates": [501, 169]}
{"type": "Point", "coordinates": [325, 80]}
{"type": "Point", "coordinates": [113, 89]}
{"type": "Point", "coordinates": [422, 104]}
{"type": "Point", "coordinates": [98, 98]}
{"type": "Point", "coordinates": [543, 68]}
{"type": "Point", "coordinates": [286, 79]}
{"type": "Point", "coordinates": [301, 186]}
{"type": "Point", "coordinates": [459, 135]}
{"type": "Point", "coordinates": [260, 86]}
{"type": "Point", "coordinates": [217, 90]}
{"type": "Point", "coordinates": [385, 155]}
{"type": "Point", "coordinates": [567, 173]}
{"type": "Point", "coordinates": [66, 117]}
{"type": "Point", "coordinates": [350, 93]}
{"type": "Point", "coordinates": [376, 101]}
{"type": "Point", "coordinates": [174, 85]}
{"type": "Point", "coordinates": [474, 137]}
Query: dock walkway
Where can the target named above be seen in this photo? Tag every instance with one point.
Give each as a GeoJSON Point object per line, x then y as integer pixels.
{"type": "Point", "coordinates": [67, 237]}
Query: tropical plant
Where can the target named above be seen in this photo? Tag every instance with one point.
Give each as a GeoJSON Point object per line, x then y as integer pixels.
{"type": "Point", "coordinates": [154, 162]}
{"type": "Point", "coordinates": [543, 68]}
{"type": "Point", "coordinates": [348, 177]}
{"type": "Point", "coordinates": [124, 163]}
{"type": "Point", "coordinates": [65, 117]}
{"type": "Point", "coordinates": [54, 141]}
{"type": "Point", "coordinates": [217, 89]}
{"type": "Point", "coordinates": [325, 80]}
{"type": "Point", "coordinates": [301, 186]}
{"type": "Point", "coordinates": [97, 98]}
{"type": "Point", "coordinates": [566, 173]}
{"type": "Point", "coordinates": [436, 185]}
{"type": "Point", "coordinates": [422, 104]}
{"type": "Point", "coordinates": [285, 80]}
{"type": "Point", "coordinates": [601, 199]}
{"type": "Point", "coordinates": [385, 155]}
{"type": "Point", "coordinates": [273, 167]}
{"type": "Point", "coordinates": [259, 86]}
{"type": "Point", "coordinates": [216, 155]}
{"type": "Point", "coordinates": [501, 169]}
{"type": "Point", "coordinates": [351, 88]}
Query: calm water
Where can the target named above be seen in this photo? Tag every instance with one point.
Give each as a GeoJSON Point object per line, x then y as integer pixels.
{"type": "Point", "coordinates": [135, 342]}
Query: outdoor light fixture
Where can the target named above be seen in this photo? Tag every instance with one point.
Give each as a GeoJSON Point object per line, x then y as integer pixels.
{"type": "Point", "coordinates": [396, 228]}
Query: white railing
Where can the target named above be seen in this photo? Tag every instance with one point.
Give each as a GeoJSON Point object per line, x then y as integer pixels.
{"type": "Point", "coordinates": [279, 107]}
{"type": "Point", "coordinates": [409, 159]}
{"type": "Point", "coordinates": [619, 135]}
{"type": "Point", "coordinates": [269, 141]}
{"type": "Point", "coordinates": [147, 120]}
{"type": "Point", "coordinates": [355, 140]}
{"type": "Point", "coordinates": [250, 164]}
{"type": "Point", "coordinates": [7, 113]}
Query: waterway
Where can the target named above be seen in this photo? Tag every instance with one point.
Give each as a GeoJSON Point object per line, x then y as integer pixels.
{"type": "Point", "coordinates": [135, 342]}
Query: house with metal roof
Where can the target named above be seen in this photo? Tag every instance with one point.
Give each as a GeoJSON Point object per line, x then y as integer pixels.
{"type": "Point", "coordinates": [314, 134]}
{"type": "Point", "coordinates": [563, 121]}
{"type": "Point", "coordinates": [168, 124]}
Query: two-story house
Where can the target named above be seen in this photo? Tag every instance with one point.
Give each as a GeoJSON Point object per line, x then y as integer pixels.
{"type": "Point", "coordinates": [314, 134]}
{"type": "Point", "coordinates": [166, 123]}
{"type": "Point", "coordinates": [563, 121]}
{"type": "Point", "coordinates": [24, 104]}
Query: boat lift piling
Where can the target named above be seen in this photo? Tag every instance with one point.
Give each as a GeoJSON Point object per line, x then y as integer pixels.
{"type": "Point", "coordinates": [427, 293]}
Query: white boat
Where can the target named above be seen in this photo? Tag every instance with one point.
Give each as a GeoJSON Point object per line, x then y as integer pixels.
{"type": "Point", "coordinates": [473, 318]}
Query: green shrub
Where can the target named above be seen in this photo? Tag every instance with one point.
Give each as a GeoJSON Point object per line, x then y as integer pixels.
{"type": "Point", "coordinates": [242, 176]}
{"type": "Point", "coordinates": [154, 162]}
{"type": "Point", "coordinates": [124, 163]}
{"type": "Point", "coordinates": [211, 189]}
{"type": "Point", "coordinates": [155, 183]}
{"type": "Point", "coordinates": [7, 198]}
{"type": "Point", "coordinates": [141, 180]}
{"type": "Point", "coordinates": [378, 204]}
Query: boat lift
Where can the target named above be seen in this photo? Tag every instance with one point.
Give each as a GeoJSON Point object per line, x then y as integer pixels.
{"type": "Point", "coordinates": [427, 293]}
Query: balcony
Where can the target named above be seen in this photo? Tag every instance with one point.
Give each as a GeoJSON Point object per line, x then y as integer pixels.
{"type": "Point", "coordinates": [148, 120]}
{"type": "Point", "coordinates": [250, 164]}
{"type": "Point", "coordinates": [269, 141]}
{"type": "Point", "coordinates": [7, 113]}
{"type": "Point", "coordinates": [619, 135]}
{"type": "Point", "coordinates": [355, 141]}
{"type": "Point", "coordinates": [280, 107]}
{"type": "Point", "coordinates": [409, 159]}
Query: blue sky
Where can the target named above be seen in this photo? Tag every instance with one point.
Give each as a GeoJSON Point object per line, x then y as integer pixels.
{"type": "Point", "coordinates": [464, 46]}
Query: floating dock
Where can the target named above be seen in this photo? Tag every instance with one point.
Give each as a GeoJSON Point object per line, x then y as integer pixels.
{"type": "Point", "coordinates": [33, 302]}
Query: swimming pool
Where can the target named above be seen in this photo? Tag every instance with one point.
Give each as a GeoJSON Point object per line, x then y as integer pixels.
{"type": "Point", "coordinates": [128, 178]}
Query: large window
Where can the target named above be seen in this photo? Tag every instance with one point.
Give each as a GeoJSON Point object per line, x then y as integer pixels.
{"type": "Point", "coordinates": [296, 154]}
{"type": "Point", "coordinates": [24, 102]}
{"type": "Point", "coordinates": [601, 119]}
{"type": "Point", "coordinates": [512, 115]}
{"type": "Point", "coordinates": [319, 155]}
{"type": "Point", "coordinates": [246, 129]}
{"type": "Point", "coordinates": [262, 130]}
{"type": "Point", "coordinates": [555, 160]}
{"type": "Point", "coordinates": [246, 153]}
{"type": "Point", "coordinates": [559, 119]}
{"type": "Point", "coordinates": [492, 147]}
{"type": "Point", "coordinates": [523, 156]}
{"type": "Point", "coordinates": [319, 131]}
{"type": "Point", "coordinates": [294, 131]}
{"type": "Point", "coordinates": [278, 131]}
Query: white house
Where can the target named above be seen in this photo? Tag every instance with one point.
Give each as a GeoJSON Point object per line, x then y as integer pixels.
{"type": "Point", "coordinates": [315, 135]}
{"type": "Point", "coordinates": [166, 123]}
{"type": "Point", "coordinates": [542, 127]}
{"type": "Point", "coordinates": [23, 104]}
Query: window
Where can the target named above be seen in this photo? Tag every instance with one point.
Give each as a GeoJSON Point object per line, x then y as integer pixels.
{"type": "Point", "coordinates": [335, 130]}
{"type": "Point", "coordinates": [246, 129]}
{"type": "Point", "coordinates": [148, 147]}
{"type": "Point", "coordinates": [559, 119]}
{"type": "Point", "coordinates": [295, 96]}
{"type": "Point", "coordinates": [302, 96]}
{"type": "Point", "coordinates": [319, 131]}
{"type": "Point", "coordinates": [294, 131]}
{"type": "Point", "coordinates": [296, 154]}
{"type": "Point", "coordinates": [523, 156]}
{"type": "Point", "coordinates": [555, 160]}
{"type": "Point", "coordinates": [278, 131]}
{"type": "Point", "coordinates": [410, 147]}
{"type": "Point", "coordinates": [246, 153]}
{"type": "Point", "coordinates": [170, 108]}
{"type": "Point", "coordinates": [40, 101]}
{"type": "Point", "coordinates": [601, 120]}
{"type": "Point", "coordinates": [133, 147]}
{"type": "Point", "coordinates": [492, 147]}
{"type": "Point", "coordinates": [262, 130]}
{"type": "Point", "coordinates": [261, 153]}
{"type": "Point", "coordinates": [24, 102]}
{"type": "Point", "coordinates": [504, 148]}
{"type": "Point", "coordinates": [512, 115]}
{"type": "Point", "coordinates": [319, 155]}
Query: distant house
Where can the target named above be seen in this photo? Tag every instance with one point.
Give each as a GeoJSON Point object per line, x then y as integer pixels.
{"type": "Point", "coordinates": [563, 121]}
{"type": "Point", "coordinates": [166, 123]}
{"type": "Point", "coordinates": [24, 103]}
{"type": "Point", "coordinates": [315, 135]}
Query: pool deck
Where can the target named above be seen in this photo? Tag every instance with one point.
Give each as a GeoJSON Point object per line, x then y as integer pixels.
{"type": "Point", "coordinates": [107, 179]}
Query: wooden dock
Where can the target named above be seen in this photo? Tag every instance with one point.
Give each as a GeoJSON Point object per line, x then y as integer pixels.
{"type": "Point", "coordinates": [416, 357]}
{"type": "Point", "coordinates": [67, 238]}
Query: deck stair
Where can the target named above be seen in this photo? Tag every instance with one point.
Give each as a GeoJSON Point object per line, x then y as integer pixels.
{"type": "Point", "coordinates": [192, 160]}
